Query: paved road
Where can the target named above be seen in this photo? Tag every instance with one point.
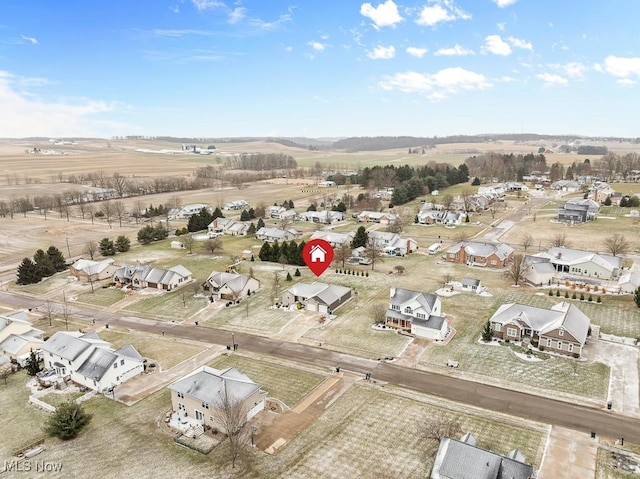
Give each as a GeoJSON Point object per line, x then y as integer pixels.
{"type": "Point", "coordinates": [516, 403]}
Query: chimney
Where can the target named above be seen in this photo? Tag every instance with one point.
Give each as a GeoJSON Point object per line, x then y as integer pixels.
{"type": "Point", "coordinates": [559, 255]}
{"type": "Point", "coordinates": [392, 292]}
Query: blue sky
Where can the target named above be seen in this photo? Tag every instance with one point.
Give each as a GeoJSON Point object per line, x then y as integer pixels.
{"type": "Point", "coordinates": [318, 68]}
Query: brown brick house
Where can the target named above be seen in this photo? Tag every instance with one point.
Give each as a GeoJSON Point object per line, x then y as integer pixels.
{"type": "Point", "coordinates": [472, 253]}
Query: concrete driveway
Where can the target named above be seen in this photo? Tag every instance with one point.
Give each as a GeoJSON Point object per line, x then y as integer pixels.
{"type": "Point", "coordinates": [623, 384]}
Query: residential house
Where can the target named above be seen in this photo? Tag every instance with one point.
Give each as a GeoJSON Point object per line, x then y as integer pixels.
{"type": "Point", "coordinates": [146, 276]}
{"type": "Point", "coordinates": [599, 191]}
{"type": "Point", "coordinates": [578, 210]}
{"type": "Point", "coordinates": [417, 313]}
{"type": "Point", "coordinates": [231, 286]}
{"type": "Point", "coordinates": [468, 285]}
{"type": "Point", "coordinates": [271, 235]}
{"type": "Point", "coordinates": [377, 217]}
{"type": "Point", "coordinates": [326, 184]}
{"type": "Point", "coordinates": [463, 459]}
{"type": "Point", "coordinates": [473, 253]}
{"type": "Point", "coordinates": [435, 217]}
{"type": "Point", "coordinates": [89, 270]}
{"type": "Point", "coordinates": [562, 329]}
{"type": "Point", "coordinates": [18, 337]}
{"type": "Point", "coordinates": [574, 263]}
{"type": "Point", "coordinates": [317, 297]}
{"type": "Point", "coordinates": [89, 361]}
{"type": "Point", "coordinates": [204, 394]}
{"type": "Point", "coordinates": [188, 211]}
{"type": "Point", "coordinates": [393, 244]}
{"type": "Point", "coordinates": [323, 217]}
{"type": "Point", "coordinates": [280, 213]}
{"type": "Point", "coordinates": [628, 283]}
{"type": "Point", "coordinates": [333, 238]}
{"type": "Point", "coordinates": [569, 186]}
{"type": "Point", "coordinates": [514, 186]}
{"type": "Point", "coordinates": [538, 271]}
{"type": "Point", "coordinates": [228, 226]}
{"type": "Point", "coordinates": [235, 205]}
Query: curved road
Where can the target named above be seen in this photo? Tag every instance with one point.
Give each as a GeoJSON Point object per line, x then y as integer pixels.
{"type": "Point", "coordinates": [493, 398]}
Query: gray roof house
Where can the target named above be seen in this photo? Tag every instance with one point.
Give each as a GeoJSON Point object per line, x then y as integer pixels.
{"type": "Point", "coordinates": [578, 210]}
{"type": "Point", "coordinates": [146, 276]}
{"type": "Point", "coordinates": [203, 391]}
{"type": "Point", "coordinates": [562, 329]}
{"type": "Point", "coordinates": [271, 235]}
{"type": "Point", "coordinates": [417, 313]}
{"type": "Point", "coordinates": [475, 253]}
{"type": "Point", "coordinates": [319, 297]}
{"type": "Point", "coordinates": [463, 459]}
{"type": "Point", "coordinates": [570, 263]}
{"type": "Point", "coordinates": [89, 361]}
{"type": "Point", "coordinates": [334, 238]}
{"type": "Point", "coordinates": [231, 286]}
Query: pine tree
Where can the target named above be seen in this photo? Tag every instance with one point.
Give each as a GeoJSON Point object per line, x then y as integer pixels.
{"type": "Point", "coordinates": [361, 238]}
{"type": "Point", "coordinates": [67, 421]}
{"type": "Point", "coordinates": [44, 264]}
{"type": "Point", "coordinates": [244, 216]}
{"type": "Point", "coordinates": [122, 244]}
{"type": "Point", "coordinates": [56, 258]}
{"type": "Point", "coordinates": [252, 229]}
{"type": "Point", "coordinates": [265, 252]}
{"type": "Point", "coordinates": [636, 297]}
{"type": "Point", "coordinates": [476, 181]}
{"type": "Point", "coordinates": [28, 272]}
{"type": "Point", "coordinates": [289, 278]}
{"type": "Point", "coordinates": [487, 334]}
{"type": "Point", "coordinates": [260, 224]}
{"type": "Point", "coordinates": [217, 214]}
{"type": "Point", "coordinates": [106, 247]}
{"type": "Point", "coordinates": [297, 273]}
{"type": "Point", "coordinates": [32, 364]}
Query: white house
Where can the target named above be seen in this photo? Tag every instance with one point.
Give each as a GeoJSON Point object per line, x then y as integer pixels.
{"type": "Point", "coordinates": [417, 313]}
{"type": "Point", "coordinates": [89, 361]}
{"type": "Point", "coordinates": [271, 235]}
{"type": "Point", "coordinates": [228, 226]}
{"type": "Point", "coordinates": [188, 211]}
{"type": "Point", "coordinates": [317, 297]}
{"type": "Point", "coordinates": [326, 184]}
{"type": "Point", "coordinates": [18, 337]}
{"type": "Point", "coordinates": [570, 263]}
{"type": "Point", "coordinates": [146, 276]}
{"type": "Point", "coordinates": [629, 282]}
{"type": "Point", "coordinates": [89, 270]}
{"type": "Point", "coordinates": [333, 238]}
{"type": "Point", "coordinates": [231, 286]}
{"type": "Point", "coordinates": [392, 244]}
{"type": "Point", "coordinates": [323, 217]}
{"type": "Point", "coordinates": [377, 217]}
{"type": "Point", "coordinates": [235, 205]}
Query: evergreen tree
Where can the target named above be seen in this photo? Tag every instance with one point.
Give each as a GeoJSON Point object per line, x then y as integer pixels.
{"type": "Point", "coordinates": [252, 229]}
{"type": "Point", "coordinates": [297, 273]}
{"type": "Point", "coordinates": [636, 297]}
{"type": "Point", "coordinates": [312, 207]}
{"type": "Point", "coordinates": [200, 221]}
{"type": "Point", "coordinates": [67, 421]}
{"type": "Point", "coordinates": [292, 253]}
{"type": "Point", "coordinates": [244, 216]}
{"type": "Point", "coordinates": [107, 248]}
{"type": "Point", "coordinates": [361, 238]}
{"type": "Point", "coordinates": [299, 260]}
{"type": "Point", "coordinates": [122, 244]}
{"type": "Point", "coordinates": [33, 364]}
{"type": "Point", "coordinates": [476, 181]}
{"type": "Point", "coordinates": [487, 334]}
{"type": "Point", "coordinates": [28, 272]}
{"type": "Point", "coordinates": [56, 258]}
{"type": "Point", "coordinates": [145, 234]}
{"type": "Point", "coordinates": [252, 213]}
{"type": "Point", "coordinates": [265, 252]}
{"type": "Point", "coordinates": [341, 207]}
{"type": "Point", "coordinates": [44, 264]}
{"type": "Point", "coordinates": [217, 214]}
{"type": "Point", "coordinates": [289, 278]}
{"type": "Point", "coordinates": [260, 224]}
{"type": "Point", "coordinates": [290, 204]}
{"type": "Point", "coordinates": [274, 257]}
{"type": "Point", "coordinates": [160, 232]}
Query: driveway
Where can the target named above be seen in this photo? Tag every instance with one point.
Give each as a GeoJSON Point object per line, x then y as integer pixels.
{"type": "Point", "coordinates": [569, 454]}
{"type": "Point", "coordinates": [623, 384]}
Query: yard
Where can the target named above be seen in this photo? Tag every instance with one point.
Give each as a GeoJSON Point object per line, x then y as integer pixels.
{"type": "Point", "coordinates": [179, 305]}
{"type": "Point", "coordinates": [57, 398]}
{"type": "Point", "coordinates": [100, 296]}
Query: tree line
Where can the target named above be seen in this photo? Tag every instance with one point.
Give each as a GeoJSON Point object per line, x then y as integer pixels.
{"type": "Point", "coordinates": [44, 264]}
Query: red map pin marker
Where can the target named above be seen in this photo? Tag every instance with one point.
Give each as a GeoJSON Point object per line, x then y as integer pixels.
{"type": "Point", "coordinates": [317, 255]}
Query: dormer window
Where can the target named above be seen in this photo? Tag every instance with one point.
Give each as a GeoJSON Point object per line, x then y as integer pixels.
{"type": "Point", "coordinates": [408, 310]}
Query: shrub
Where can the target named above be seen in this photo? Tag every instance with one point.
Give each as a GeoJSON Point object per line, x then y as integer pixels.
{"type": "Point", "coordinates": [541, 348]}
{"type": "Point", "coordinates": [367, 275]}
{"type": "Point", "coordinates": [573, 296]}
{"type": "Point", "coordinates": [599, 299]}
{"type": "Point", "coordinates": [566, 294]}
{"type": "Point", "coordinates": [550, 293]}
{"type": "Point", "coordinates": [590, 298]}
{"type": "Point", "coordinates": [581, 296]}
{"type": "Point", "coordinates": [557, 292]}
{"type": "Point", "coordinates": [67, 421]}
{"type": "Point", "coordinates": [575, 355]}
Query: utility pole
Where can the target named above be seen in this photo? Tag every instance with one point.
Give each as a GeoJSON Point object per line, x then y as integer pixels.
{"type": "Point", "coordinates": [68, 249]}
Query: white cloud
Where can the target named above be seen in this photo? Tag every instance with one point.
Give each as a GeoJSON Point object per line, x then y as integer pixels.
{"type": "Point", "coordinates": [455, 50]}
{"type": "Point", "coordinates": [551, 79]}
{"type": "Point", "coordinates": [384, 15]}
{"type": "Point", "coordinates": [504, 3]}
{"type": "Point", "coordinates": [237, 15]}
{"type": "Point", "coordinates": [32, 40]}
{"type": "Point", "coordinates": [441, 11]}
{"type": "Point", "coordinates": [574, 69]}
{"type": "Point", "coordinates": [263, 25]}
{"type": "Point", "coordinates": [437, 85]}
{"type": "Point", "coordinates": [519, 43]}
{"type": "Point", "coordinates": [24, 114]}
{"type": "Point", "coordinates": [496, 45]}
{"type": "Point", "coordinates": [203, 5]}
{"type": "Point", "coordinates": [622, 67]}
{"type": "Point", "coordinates": [317, 46]}
{"type": "Point", "coordinates": [507, 79]}
{"type": "Point", "coordinates": [382, 53]}
{"type": "Point", "coordinates": [417, 51]}
{"type": "Point", "coordinates": [288, 48]}
{"type": "Point", "coordinates": [626, 81]}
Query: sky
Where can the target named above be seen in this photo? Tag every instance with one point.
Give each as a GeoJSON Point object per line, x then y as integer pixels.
{"type": "Point", "coordinates": [322, 69]}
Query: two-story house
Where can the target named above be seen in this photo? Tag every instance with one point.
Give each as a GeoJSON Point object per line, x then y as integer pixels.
{"type": "Point", "coordinates": [562, 329]}
{"type": "Point", "coordinates": [231, 286]}
{"type": "Point", "coordinates": [393, 244]}
{"type": "Point", "coordinates": [417, 313]}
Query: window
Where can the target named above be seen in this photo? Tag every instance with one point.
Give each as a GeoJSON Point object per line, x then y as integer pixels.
{"type": "Point", "coordinates": [205, 405]}
{"type": "Point", "coordinates": [115, 365]}
{"type": "Point", "coordinates": [420, 316]}
{"type": "Point", "coordinates": [494, 262]}
{"type": "Point", "coordinates": [570, 348]}
{"type": "Point", "coordinates": [199, 415]}
{"type": "Point", "coordinates": [548, 343]}
{"type": "Point", "coordinates": [513, 332]}
{"type": "Point", "coordinates": [559, 344]}
{"type": "Point", "coordinates": [561, 332]}
{"type": "Point", "coordinates": [408, 310]}
{"type": "Point", "coordinates": [497, 327]}
{"type": "Point", "coordinates": [180, 395]}
{"type": "Point", "coordinates": [122, 362]}
{"type": "Point", "coordinates": [396, 307]}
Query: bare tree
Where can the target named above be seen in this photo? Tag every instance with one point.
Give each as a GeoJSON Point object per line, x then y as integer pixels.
{"type": "Point", "coordinates": [212, 245]}
{"type": "Point", "coordinates": [373, 252]}
{"type": "Point", "coordinates": [527, 240]}
{"type": "Point", "coordinates": [91, 210]}
{"type": "Point", "coordinates": [119, 209]}
{"type": "Point", "coordinates": [275, 286]}
{"type": "Point", "coordinates": [342, 253]}
{"type": "Point", "coordinates": [517, 269]}
{"type": "Point", "coordinates": [91, 248]}
{"type": "Point", "coordinates": [434, 428]}
{"type": "Point", "coordinates": [188, 241]}
{"type": "Point", "coordinates": [559, 240]}
{"type": "Point", "coordinates": [108, 210]}
{"type": "Point", "coordinates": [378, 313]}
{"type": "Point", "coordinates": [119, 183]}
{"type": "Point", "coordinates": [396, 226]}
{"type": "Point", "coordinates": [466, 199]}
{"type": "Point", "coordinates": [81, 207]}
{"type": "Point", "coordinates": [494, 208]}
{"type": "Point", "coordinates": [617, 244]}
{"type": "Point", "coordinates": [399, 269]}
{"type": "Point", "coordinates": [138, 208]}
{"type": "Point", "coordinates": [231, 415]}
{"type": "Point", "coordinates": [447, 201]}
{"type": "Point", "coordinates": [48, 310]}
{"type": "Point", "coordinates": [447, 278]}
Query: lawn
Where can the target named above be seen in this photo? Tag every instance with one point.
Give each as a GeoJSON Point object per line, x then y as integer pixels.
{"type": "Point", "coordinates": [103, 297]}
{"type": "Point", "coordinates": [288, 384]}
{"type": "Point", "coordinates": [179, 304]}
{"type": "Point", "coordinates": [52, 283]}
{"type": "Point", "coordinates": [167, 353]}
{"type": "Point", "coordinates": [56, 398]}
